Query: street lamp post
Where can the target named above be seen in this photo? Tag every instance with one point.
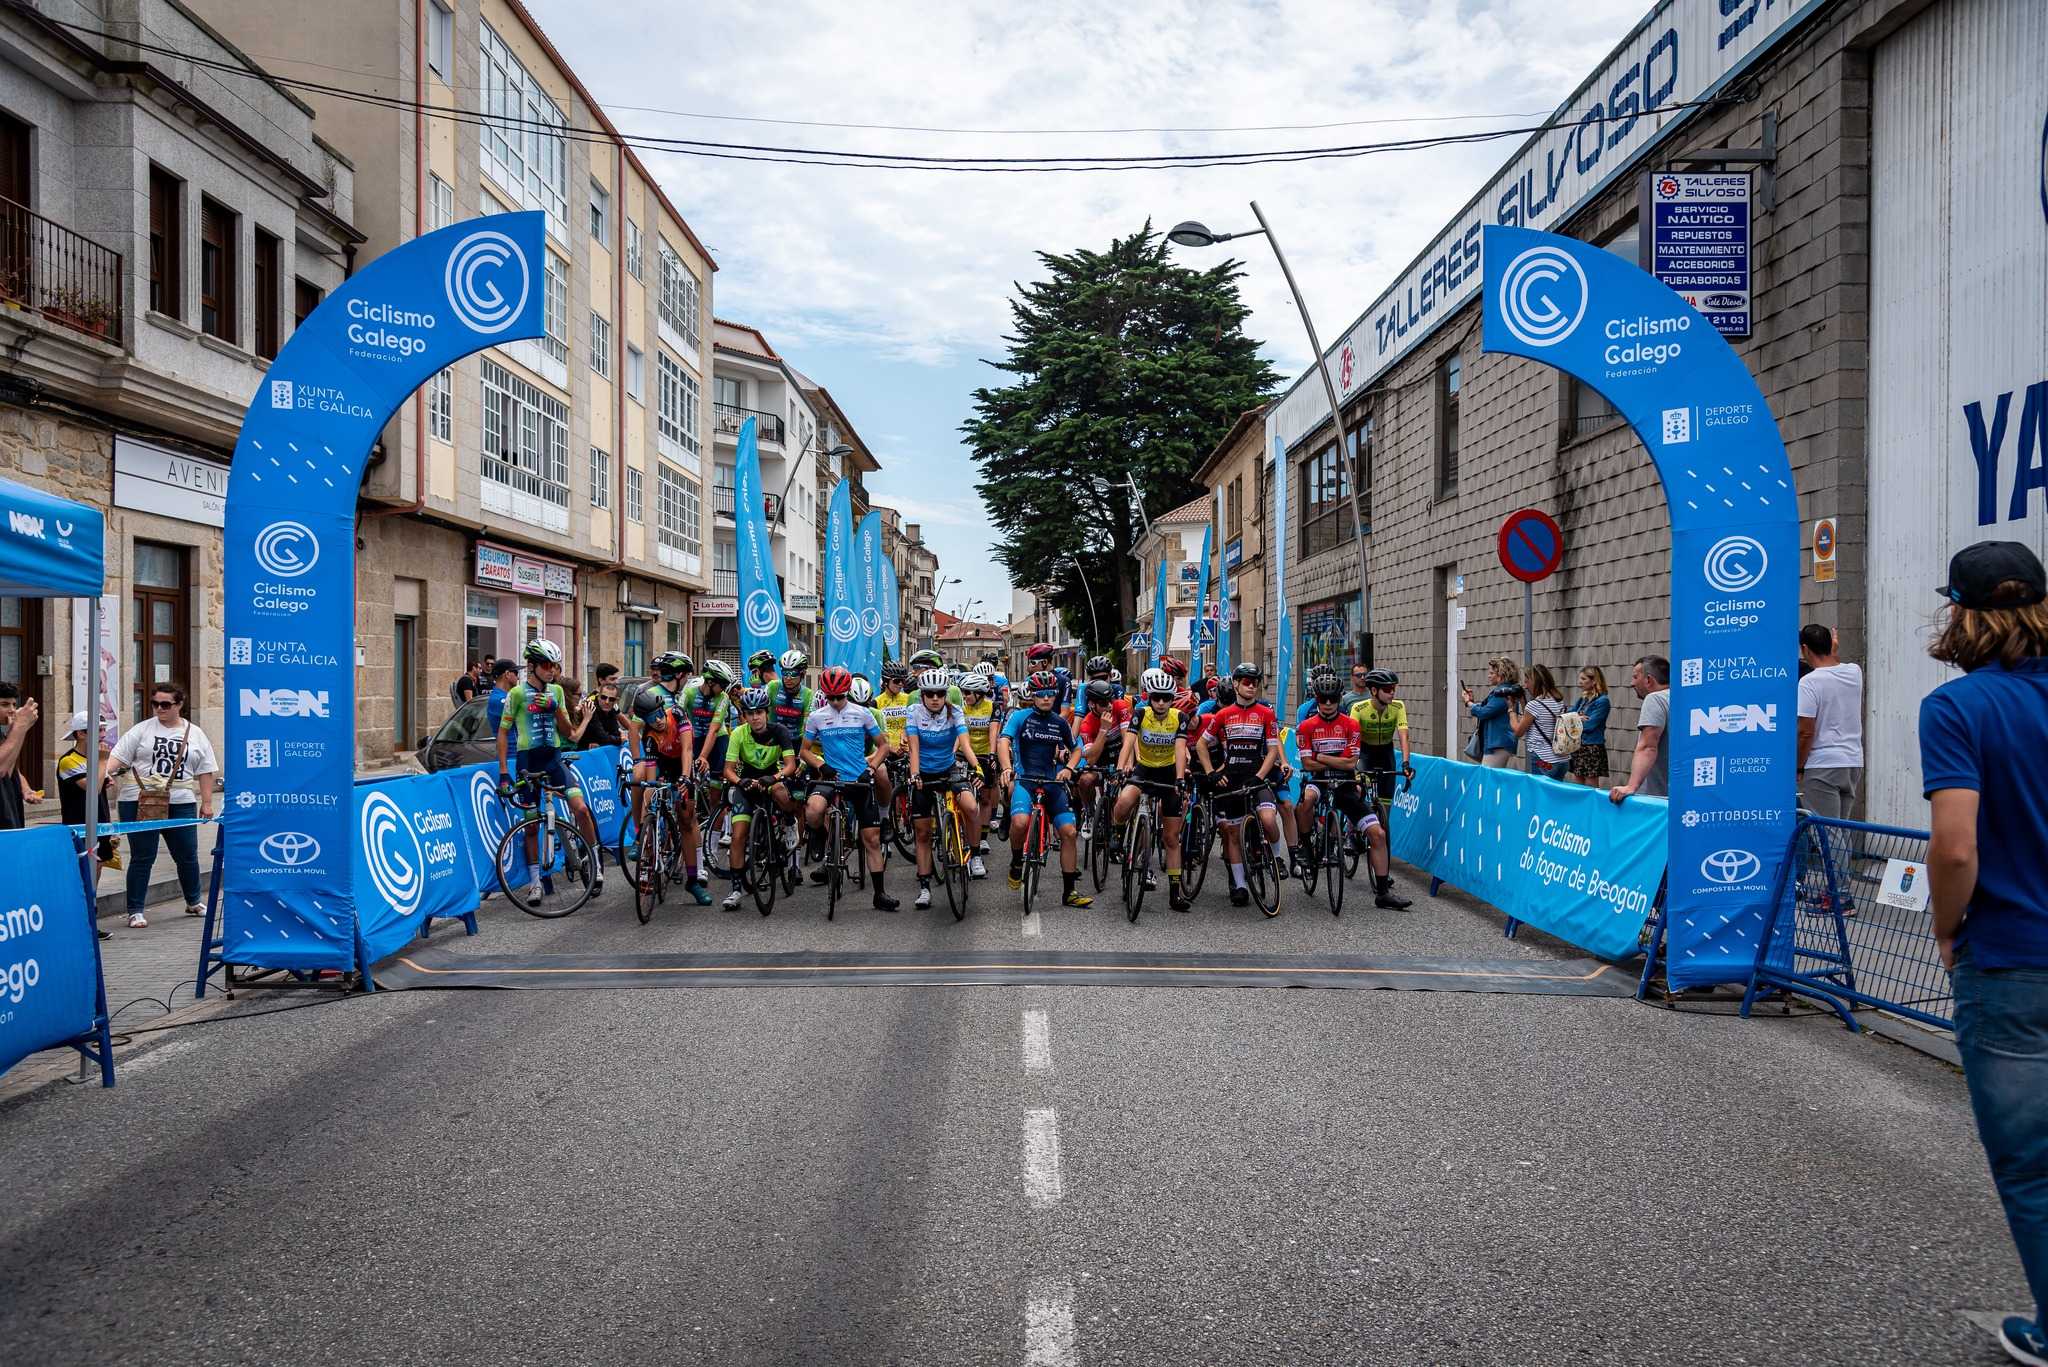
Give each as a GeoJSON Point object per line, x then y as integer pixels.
{"type": "Point", "coordinates": [1094, 623]}
{"type": "Point", "coordinates": [1192, 234]}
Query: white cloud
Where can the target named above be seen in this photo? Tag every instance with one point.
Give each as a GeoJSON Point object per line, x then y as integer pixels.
{"type": "Point", "coordinates": [919, 265]}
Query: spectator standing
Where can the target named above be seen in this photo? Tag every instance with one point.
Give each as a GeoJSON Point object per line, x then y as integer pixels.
{"type": "Point", "coordinates": [504, 674]}
{"type": "Point", "coordinates": [1358, 692]}
{"type": "Point", "coordinates": [166, 753]}
{"type": "Point", "coordinates": [18, 719]}
{"type": "Point", "coordinates": [1830, 726]}
{"type": "Point", "coordinates": [1649, 768]}
{"type": "Point", "coordinates": [1589, 761]}
{"type": "Point", "coordinates": [1495, 715]}
{"type": "Point", "coordinates": [75, 770]}
{"type": "Point", "coordinates": [1981, 738]}
{"type": "Point", "coordinates": [603, 725]}
{"type": "Point", "coordinates": [1537, 718]}
{"type": "Point", "coordinates": [466, 686]}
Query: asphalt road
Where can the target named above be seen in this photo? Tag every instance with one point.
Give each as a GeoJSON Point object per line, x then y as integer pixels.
{"type": "Point", "coordinates": [982, 1175]}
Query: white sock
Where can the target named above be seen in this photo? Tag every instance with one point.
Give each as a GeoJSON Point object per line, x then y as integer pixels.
{"type": "Point", "coordinates": [1237, 875]}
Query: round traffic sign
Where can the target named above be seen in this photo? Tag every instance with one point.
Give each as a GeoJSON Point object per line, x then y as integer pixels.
{"type": "Point", "coordinates": [1531, 545]}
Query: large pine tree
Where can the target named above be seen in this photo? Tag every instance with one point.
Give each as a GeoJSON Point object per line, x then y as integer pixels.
{"type": "Point", "coordinates": [1124, 363]}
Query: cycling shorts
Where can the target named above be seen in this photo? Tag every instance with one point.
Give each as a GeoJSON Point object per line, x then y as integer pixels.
{"type": "Point", "coordinates": [742, 803]}
{"type": "Point", "coordinates": [1350, 800]}
{"type": "Point", "coordinates": [1158, 776]}
{"type": "Point", "coordinates": [867, 813]}
{"type": "Point", "coordinates": [1056, 805]}
{"type": "Point", "coordinates": [547, 761]}
{"type": "Point", "coordinates": [1236, 802]}
{"type": "Point", "coordinates": [924, 798]}
{"type": "Point", "coordinates": [666, 767]}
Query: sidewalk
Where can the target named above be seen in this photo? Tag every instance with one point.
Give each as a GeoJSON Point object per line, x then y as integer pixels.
{"type": "Point", "coordinates": [163, 877]}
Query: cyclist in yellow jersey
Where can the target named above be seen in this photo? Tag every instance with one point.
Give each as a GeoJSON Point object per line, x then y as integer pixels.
{"type": "Point", "coordinates": [977, 704]}
{"type": "Point", "coordinates": [1382, 727]}
{"type": "Point", "coordinates": [1155, 755]}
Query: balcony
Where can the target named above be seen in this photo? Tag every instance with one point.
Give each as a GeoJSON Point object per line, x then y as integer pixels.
{"type": "Point", "coordinates": [726, 419]}
{"type": "Point", "coordinates": [721, 495]}
{"type": "Point", "coordinates": [725, 583]}
{"type": "Point", "coordinates": [68, 279]}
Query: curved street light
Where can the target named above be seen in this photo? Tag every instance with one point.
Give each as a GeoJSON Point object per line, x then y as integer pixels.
{"type": "Point", "coordinates": [1193, 234]}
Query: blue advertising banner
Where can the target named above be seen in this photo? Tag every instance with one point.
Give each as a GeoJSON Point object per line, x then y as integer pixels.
{"type": "Point", "coordinates": [50, 547]}
{"type": "Point", "coordinates": [1283, 664]}
{"type": "Point", "coordinates": [1735, 552]}
{"type": "Point", "coordinates": [1223, 661]}
{"type": "Point", "coordinates": [1561, 857]}
{"type": "Point", "coordinates": [1195, 629]}
{"type": "Point", "coordinates": [599, 771]}
{"type": "Point", "coordinates": [892, 626]}
{"type": "Point", "coordinates": [1159, 617]}
{"type": "Point", "coordinates": [867, 543]}
{"type": "Point", "coordinates": [842, 610]}
{"type": "Point", "coordinates": [49, 956]}
{"type": "Point", "coordinates": [290, 884]}
{"type": "Point", "coordinates": [761, 622]}
{"type": "Point", "coordinates": [485, 819]}
{"type": "Point", "coordinates": [412, 860]}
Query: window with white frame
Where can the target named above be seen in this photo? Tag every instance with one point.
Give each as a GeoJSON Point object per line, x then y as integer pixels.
{"type": "Point", "coordinates": [556, 312]}
{"type": "Point", "coordinates": [524, 147]}
{"type": "Point", "coordinates": [679, 297]}
{"type": "Point", "coordinates": [441, 40]}
{"type": "Point", "coordinates": [441, 205]}
{"type": "Point", "coordinates": [677, 410]}
{"type": "Point", "coordinates": [636, 373]}
{"type": "Point", "coordinates": [441, 406]}
{"type": "Point", "coordinates": [600, 213]}
{"type": "Point", "coordinates": [633, 249]}
{"type": "Point", "coordinates": [601, 344]}
{"type": "Point", "coordinates": [526, 436]}
{"type": "Point", "coordinates": [635, 507]}
{"type": "Point", "coordinates": [681, 512]}
{"type": "Point", "coordinates": [600, 478]}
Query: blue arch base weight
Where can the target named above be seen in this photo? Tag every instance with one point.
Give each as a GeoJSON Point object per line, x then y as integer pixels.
{"type": "Point", "coordinates": [1734, 568]}
{"type": "Point", "coordinates": [292, 870]}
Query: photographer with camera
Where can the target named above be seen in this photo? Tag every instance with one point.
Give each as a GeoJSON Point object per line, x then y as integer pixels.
{"type": "Point", "coordinates": [1493, 744]}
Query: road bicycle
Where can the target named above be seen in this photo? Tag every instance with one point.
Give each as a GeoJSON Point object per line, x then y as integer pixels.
{"type": "Point", "coordinates": [950, 853]}
{"type": "Point", "coordinates": [1197, 839]}
{"type": "Point", "coordinates": [1261, 874]}
{"type": "Point", "coordinates": [771, 866]}
{"type": "Point", "coordinates": [1037, 839]}
{"type": "Point", "coordinates": [897, 827]}
{"type": "Point", "coordinates": [539, 846]}
{"type": "Point", "coordinates": [1144, 847]}
{"type": "Point", "coordinates": [1328, 842]}
{"type": "Point", "coordinates": [1100, 851]}
{"type": "Point", "coordinates": [845, 857]}
{"type": "Point", "coordinates": [656, 850]}
{"type": "Point", "coordinates": [714, 823]}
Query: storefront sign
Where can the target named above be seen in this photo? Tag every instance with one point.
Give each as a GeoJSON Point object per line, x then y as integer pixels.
{"type": "Point", "coordinates": [559, 581]}
{"type": "Point", "coordinates": [529, 576]}
{"type": "Point", "coordinates": [1233, 553]}
{"type": "Point", "coordinates": [1190, 572]}
{"type": "Point", "coordinates": [152, 479]}
{"type": "Point", "coordinates": [112, 684]}
{"type": "Point", "coordinates": [494, 568]}
{"type": "Point", "coordinates": [803, 602]}
{"type": "Point", "coordinates": [1699, 243]}
{"type": "Point", "coordinates": [498, 568]}
{"type": "Point", "coordinates": [701, 606]}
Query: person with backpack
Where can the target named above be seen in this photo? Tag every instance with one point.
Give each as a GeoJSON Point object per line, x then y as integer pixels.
{"type": "Point", "coordinates": [1537, 719]}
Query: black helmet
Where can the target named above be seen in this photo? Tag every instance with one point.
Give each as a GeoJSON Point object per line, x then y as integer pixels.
{"type": "Point", "coordinates": [760, 660]}
{"type": "Point", "coordinates": [671, 662]}
{"type": "Point", "coordinates": [1247, 670]}
{"type": "Point", "coordinates": [1101, 690]}
{"type": "Point", "coordinates": [1327, 689]}
{"type": "Point", "coordinates": [1097, 665]}
{"type": "Point", "coordinates": [1382, 678]}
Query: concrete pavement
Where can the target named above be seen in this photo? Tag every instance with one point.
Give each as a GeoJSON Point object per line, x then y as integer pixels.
{"type": "Point", "coordinates": [987, 1175]}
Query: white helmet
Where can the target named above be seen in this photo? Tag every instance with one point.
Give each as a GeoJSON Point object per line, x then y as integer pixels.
{"type": "Point", "coordinates": [862, 692]}
{"type": "Point", "coordinates": [794, 661]}
{"type": "Point", "coordinates": [540, 650]}
{"type": "Point", "coordinates": [1157, 681]}
{"type": "Point", "coordinates": [934, 680]}
{"type": "Point", "coordinates": [975, 683]}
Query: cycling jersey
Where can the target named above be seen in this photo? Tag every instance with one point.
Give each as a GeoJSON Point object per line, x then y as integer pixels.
{"type": "Point", "coordinates": [1329, 739]}
{"type": "Point", "coordinates": [1157, 733]}
{"type": "Point", "coordinates": [892, 708]}
{"type": "Point", "coordinates": [702, 709]}
{"type": "Point", "coordinates": [533, 716]}
{"type": "Point", "coordinates": [790, 707]}
{"type": "Point", "coordinates": [1089, 725]}
{"type": "Point", "coordinates": [1242, 735]}
{"type": "Point", "coordinates": [660, 716]}
{"type": "Point", "coordinates": [980, 718]}
{"type": "Point", "coordinates": [844, 736]}
{"type": "Point", "coordinates": [1036, 740]}
{"type": "Point", "coordinates": [1378, 726]}
{"type": "Point", "coordinates": [759, 753]}
{"type": "Point", "coordinates": [938, 736]}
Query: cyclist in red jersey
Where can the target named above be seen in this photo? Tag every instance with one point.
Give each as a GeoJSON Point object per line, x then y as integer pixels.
{"type": "Point", "coordinates": [1238, 752]}
{"type": "Point", "coordinates": [1098, 735]}
{"type": "Point", "coordinates": [1328, 741]}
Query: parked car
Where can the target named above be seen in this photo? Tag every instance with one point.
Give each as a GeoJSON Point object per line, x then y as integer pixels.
{"type": "Point", "coordinates": [465, 738]}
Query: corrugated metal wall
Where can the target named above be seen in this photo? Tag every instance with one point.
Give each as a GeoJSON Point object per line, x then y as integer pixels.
{"type": "Point", "coordinates": [1959, 315]}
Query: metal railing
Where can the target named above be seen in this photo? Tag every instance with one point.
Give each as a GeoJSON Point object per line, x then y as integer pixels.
{"type": "Point", "coordinates": [728, 417]}
{"type": "Point", "coordinates": [725, 583]}
{"type": "Point", "coordinates": [721, 499]}
{"type": "Point", "coordinates": [67, 278]}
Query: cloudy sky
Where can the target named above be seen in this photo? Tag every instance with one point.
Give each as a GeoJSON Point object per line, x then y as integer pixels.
{"type": "Point", "coordinates": [889, 286]}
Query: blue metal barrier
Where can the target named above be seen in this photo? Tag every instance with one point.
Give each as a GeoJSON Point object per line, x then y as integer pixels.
{"type": "Point", "coordinates": [1832, 936]}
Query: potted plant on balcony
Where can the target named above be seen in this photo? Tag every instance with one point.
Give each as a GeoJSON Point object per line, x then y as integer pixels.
{"type": "Point", "coordinates": [79, 309]}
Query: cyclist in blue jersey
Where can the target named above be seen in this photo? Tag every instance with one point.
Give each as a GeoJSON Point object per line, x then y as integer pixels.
{"type": "Point", "coordinates": [941, 760]}
{"type": "Point", "coordinates": [1034, 751]}
{"type": "Point", "coordinates": [843, 745]}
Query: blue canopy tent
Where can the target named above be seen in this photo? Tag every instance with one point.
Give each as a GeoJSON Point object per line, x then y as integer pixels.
{"type": "Point", "coordinates": [53, 548]}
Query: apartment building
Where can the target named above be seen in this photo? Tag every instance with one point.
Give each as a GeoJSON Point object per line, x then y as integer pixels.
{"type": "Point", "coordinates": [1235, 475]}
{"type": "Point", "coordinates": [841, 454]}
{"type": "Point", "coordinates": [750, 380]}
{"type": "Point", "coordinates": [917, 578]}
{"type": "Point", "coordinates": [1175, 535]}
{"type": "Point", "coordinates": [167, 215]}
{"type": "Point", "coordinates": [556, 487]}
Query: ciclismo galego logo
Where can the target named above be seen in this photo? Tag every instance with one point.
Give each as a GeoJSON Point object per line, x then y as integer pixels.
{"type": "Point", "coordinates": [287, 549]}
{"type": "Point", "coordinates": [845, 624]}
{"type": "Point", "coordinates": [1543, 296]}
{"type": "Point", "coordinates": [392, 853]}
{"type": "Point", "coordinates": [761, 613]}
{"type": "Point", "coordinates": [488, 810]}
{"type": "Point", "coordinates": [477, 268]}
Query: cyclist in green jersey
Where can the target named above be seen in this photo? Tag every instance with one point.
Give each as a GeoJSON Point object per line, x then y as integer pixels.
{"type": "Point", "coordinates": [760, 759]}
{"type": "Point", "coordinates": [535, 713]}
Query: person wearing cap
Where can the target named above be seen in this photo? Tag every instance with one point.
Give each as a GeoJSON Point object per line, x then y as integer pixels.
{"type": "Point", "coordinates": [1981, 738]}
{"type": "Point", "coordinates": [74, 769]}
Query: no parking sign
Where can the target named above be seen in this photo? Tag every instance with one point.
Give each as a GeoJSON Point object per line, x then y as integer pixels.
{"type": "Point", "coordinates": [1531, 545]}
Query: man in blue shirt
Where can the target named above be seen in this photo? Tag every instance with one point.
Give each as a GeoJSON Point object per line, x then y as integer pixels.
{"type": "Point", "coordinates": [1033, 752]}
{"type": "Point", "coordinates": [843, 744]}
{"type": "Point", "coordinates": [1981, 741]}
{"type": "Point", "coordinates": [504, 674]}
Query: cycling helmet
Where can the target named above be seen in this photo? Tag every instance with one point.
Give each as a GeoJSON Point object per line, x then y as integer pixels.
{"type": "Point", "coordinates": [1100, 690]}
{"type": "Point", "coordinates": [1321, 671]}
{"type": "Point", "coordinates": [760, 659]}
{"type": "Point", "coordinates": [1045, 681]}
{"type": "Point", "coordinates": [1247, 670]}
{"type": "Point", "coordinates": [794, 661]}
{"type": "Point", "coordinates": [1062, 675]}
{"type": "Point", "coordinates": [895, 671]}
{"type": "Point", "coordinates": [1382, 678]}
{"type": "Point", "coordinates": [718, 672]}
{"type": "Point", "coordinates": [671, 662]}
{"type": "Point", "coordinates": [927, 659]}
{"type": "Point", "coordinates": [976, 683]}
{"type": "Point", "coordinates": [1327, 689]}
{"type": "Point", "coordinates": [1097, 665]}
{"type": "Point", "coordinates": [1116, 676]}
{"type": "Point", "coordinates": [542, 651]}
{"type": "Point", "coordinates": [934, 681]}
{"type": "Point", "coordinates": [754, 700]}
{"type": "Point", "coordinates": [1157, 681]}
{"type": "Point", "coordinates": [861, 693]}
{"type": "Point", "coordinates": [1174, 666]}
{"type": "Point", "coordinates": [1041, 651]}
{"type": "Point", "coordinates": [835, 682]}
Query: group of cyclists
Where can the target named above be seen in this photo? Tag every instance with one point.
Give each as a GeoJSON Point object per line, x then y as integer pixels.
{"type": "Point", "coordinates": [1068, 750]}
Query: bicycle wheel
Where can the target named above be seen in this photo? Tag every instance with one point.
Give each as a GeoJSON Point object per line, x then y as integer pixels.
{"type": "Point", "coordinates": [1098, 847]}
{"type": "Point", "coordinates": [764, 844]}
{"type": "Point", "coordinates": [1137, 862]}
{"type": "Point", "coordinates": [1034, 855]}
{"type": "Point", "coordinates": [835, 867]}
{"type": "Point", "coordinates": [1353, 845]}
{"type": "Point", "coordinates": [1258, 869]}
{"type": "Point", "coordinates": [553, 841]}
{"type": "Point", "coordinates": [648, 877]}
{"type": "Point", "coordinates": [1333, 854]}
{"type": "Point", "coordinates": [1194, 848]}
{"type": "Point", "coordinates": [672, 832]}
{"type": "Point", "coordinates": [1311, 856]}
{"type": "Point", "coordinates": [714, 851]}
{"type": "Point", "coordinates": [902, 831]}
{"type": "Point", "coordinates": [944, 836]}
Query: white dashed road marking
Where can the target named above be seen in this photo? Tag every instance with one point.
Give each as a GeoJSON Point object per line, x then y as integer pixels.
{"type": "Point", "coordinates": [1033, 926]}
{"type": "Point", "coordinates": [1037, 1044]}
{"type": "Point", "coordinates": [1042, 1183]}
{"type": "Point", "coordinates": [1049, 1324]}
{"type": "Point", "coordinates": [155, 1058]}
